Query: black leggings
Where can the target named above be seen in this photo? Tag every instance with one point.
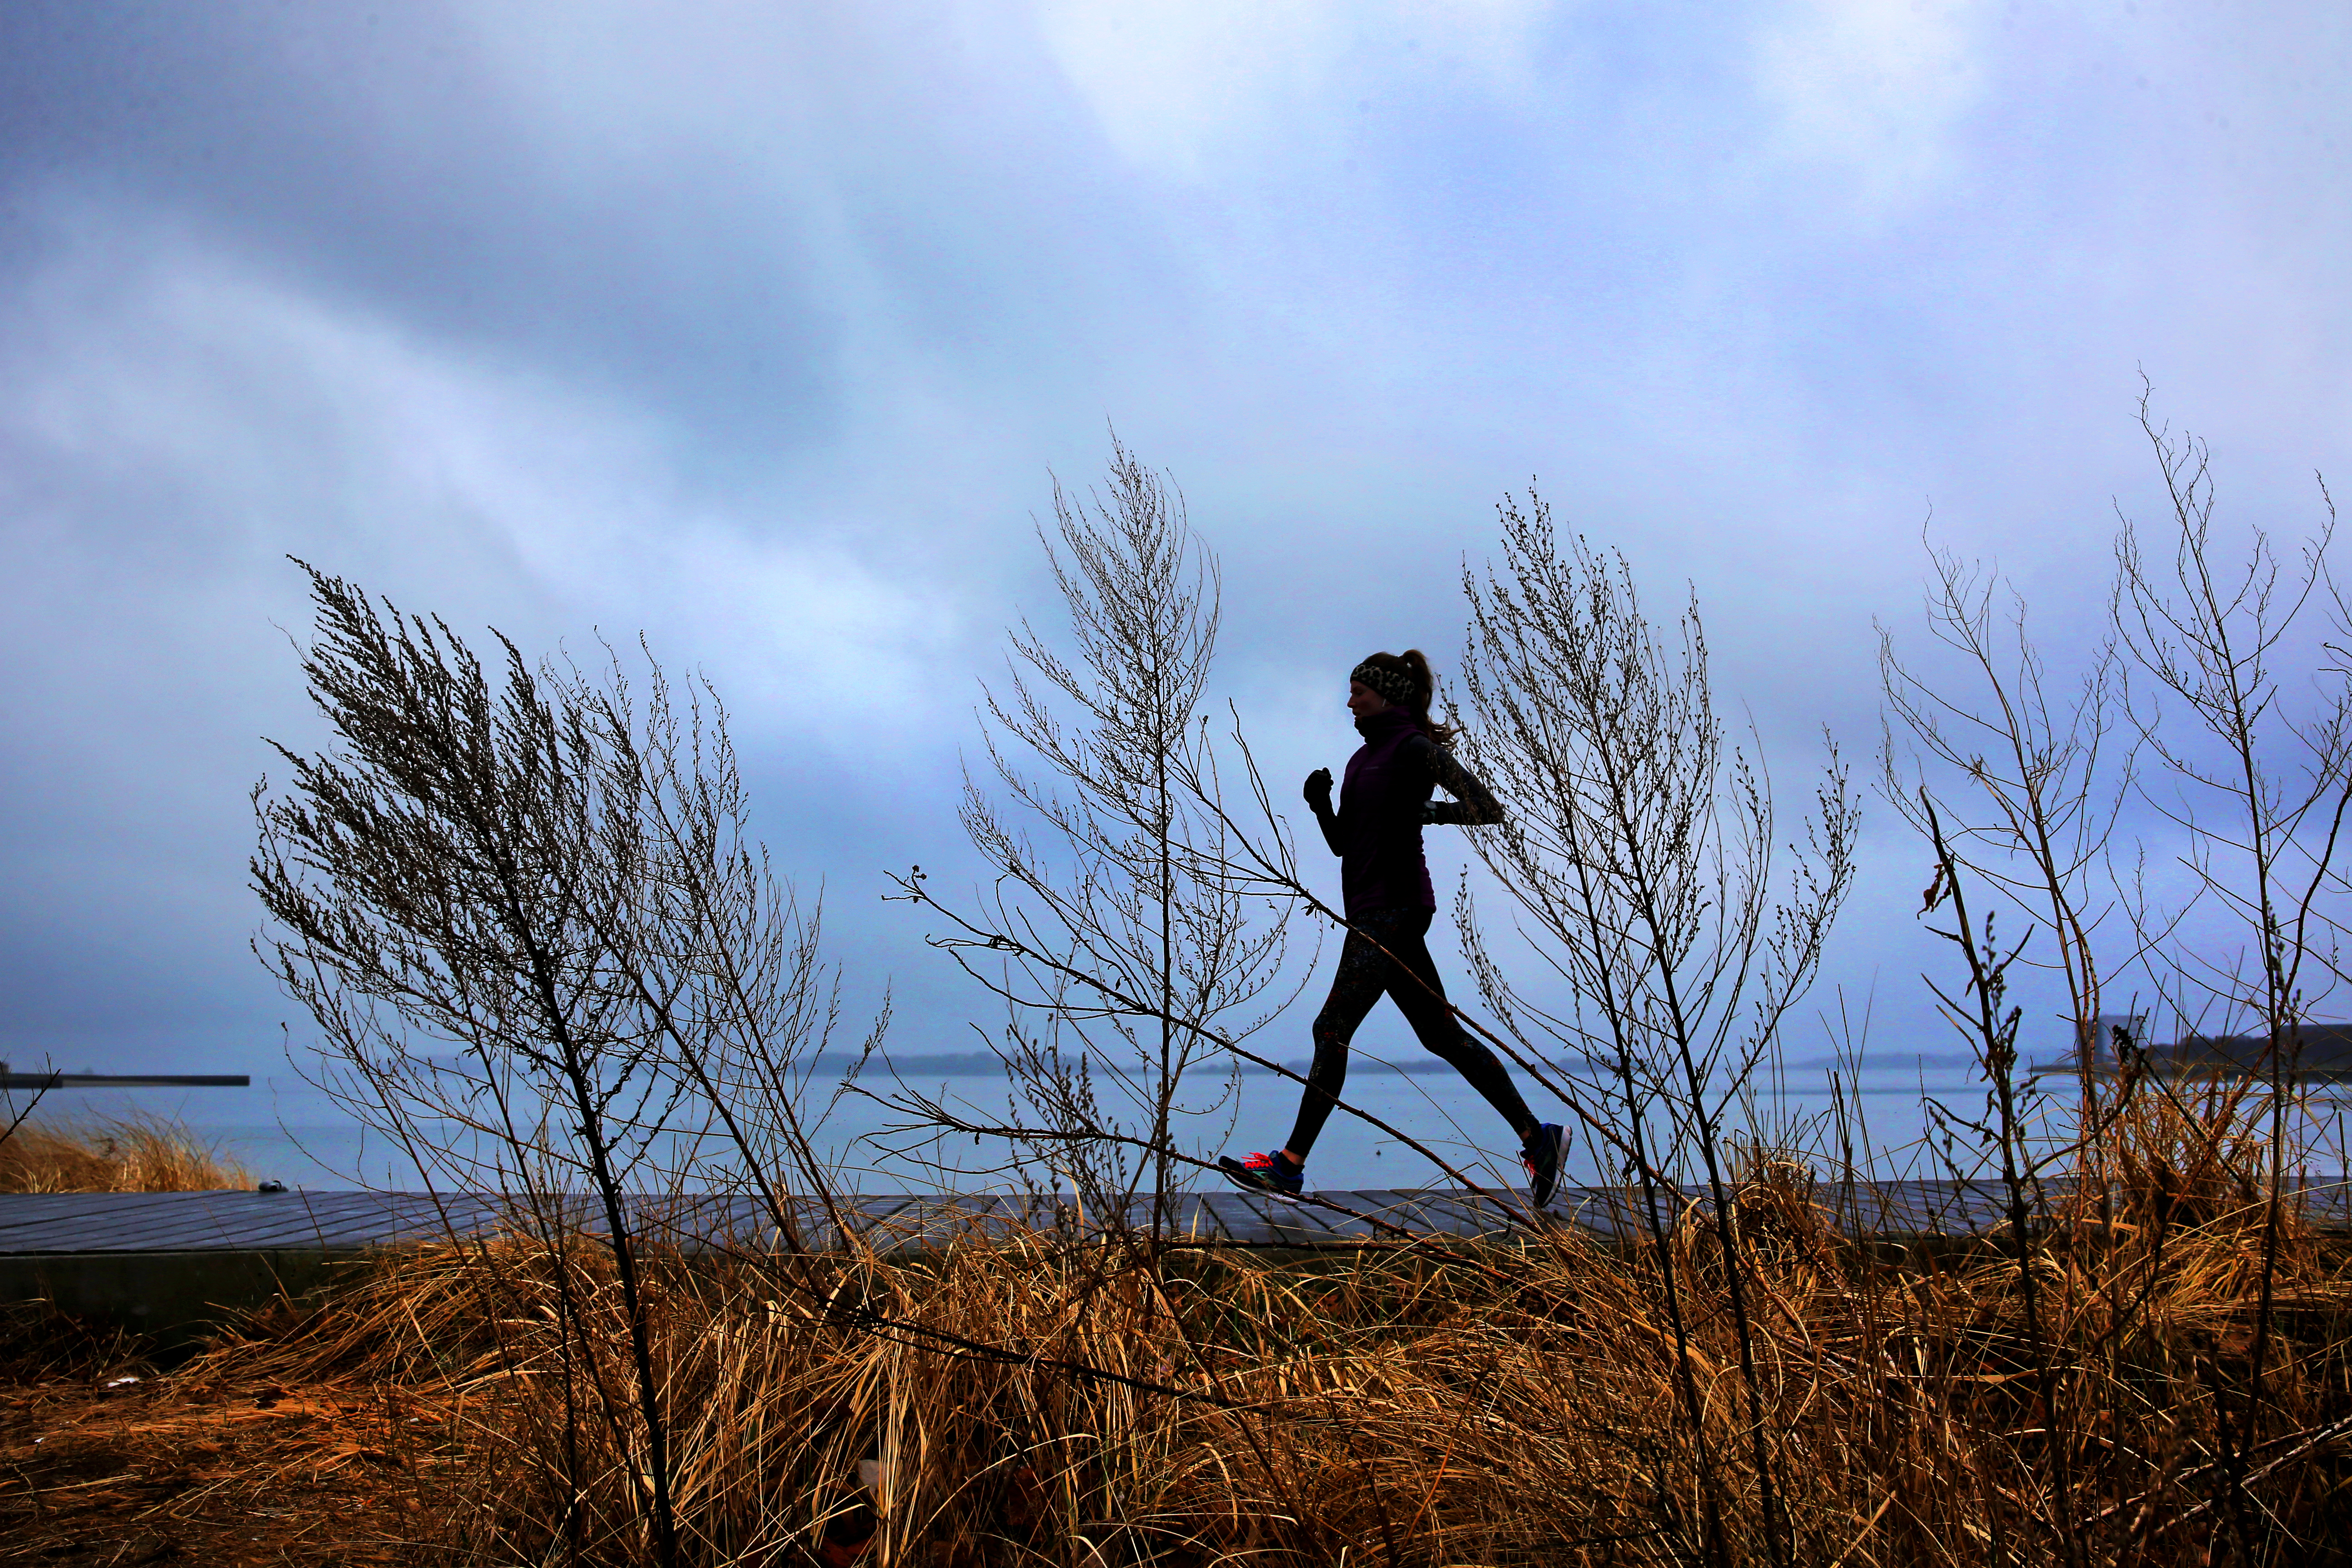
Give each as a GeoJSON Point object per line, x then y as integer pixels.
{"type": "Point", "coordinates": [1364, 973]}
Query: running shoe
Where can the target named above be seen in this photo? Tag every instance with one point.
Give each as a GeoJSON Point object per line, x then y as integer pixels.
{"type": "Point", "coordinates": [1542, 1154]}
{"type": "Point", "coordinates": [1264, 1173]}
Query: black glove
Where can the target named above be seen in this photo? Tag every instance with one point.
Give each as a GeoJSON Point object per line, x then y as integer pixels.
{"type": "Point", "coordinates": [1318, 790]}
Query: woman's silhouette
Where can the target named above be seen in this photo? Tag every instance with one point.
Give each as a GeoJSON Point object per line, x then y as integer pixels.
{"type": "Point", "coordinates": [1384, 803]}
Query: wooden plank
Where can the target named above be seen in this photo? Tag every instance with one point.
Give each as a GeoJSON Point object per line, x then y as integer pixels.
{"type": "Point", "coordinates": [146, 1226]}
{"type": "Point", "coordinates": [1450, 1213]}
{"type": "Point", "coordinates": [222, 1226]}
{"type": "Point", "coordinates": [87, 1221]}
{"type": "Point", "coordinates": [1255, 1220]}
{"type": "Point", "coordinates": [413, 1217]}
{"type": "Point", "coordinates": [180, 1221]}
{"type": "Point", "coordinates": [1199, 1222]}
{"type": "Point", "coordinates": [1364, 1224]}
{"type": "Point", "coordinates": [1409, 1208]}
{"type": "Point", "coordinates": [1221, 1210]}
{"type": "Point", "coordinates": [337, 1222]}
{"type": "Point", "coordinates": [1600, 1213]}
{"type": "Point", "coordinates": [340, 1223]}
{"type": "Point", "coordinates": [1227, 1216]}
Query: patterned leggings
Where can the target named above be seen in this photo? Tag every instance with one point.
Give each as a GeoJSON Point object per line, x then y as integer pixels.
{"type": "Point", "coordinates": [1364, 973]}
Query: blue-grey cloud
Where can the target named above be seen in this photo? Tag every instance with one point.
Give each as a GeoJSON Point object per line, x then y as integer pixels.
{"type": "Point", "coordinates": [761, 328]}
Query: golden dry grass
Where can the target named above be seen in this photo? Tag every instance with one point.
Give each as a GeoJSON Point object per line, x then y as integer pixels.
{"type": "Point", "coordinates": [1028, 1399]}
{"type": "Point", "coordinates": [108, 1463]}
{"type": "Point", "coordinates": [1391, 1406]}
{"type": "Point", "coordinates": [128, 1155]}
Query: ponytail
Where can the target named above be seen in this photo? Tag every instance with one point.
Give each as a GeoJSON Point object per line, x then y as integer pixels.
{"type": "Point", "coordinates": [1406, 680]}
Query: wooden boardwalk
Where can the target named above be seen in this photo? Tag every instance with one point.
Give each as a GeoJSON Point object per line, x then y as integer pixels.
{"type": "Point", "coordinates": [60, 1225]}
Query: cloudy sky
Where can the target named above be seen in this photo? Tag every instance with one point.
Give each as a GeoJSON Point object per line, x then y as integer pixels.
{"type": "Point", "coordinates": [763, 328]}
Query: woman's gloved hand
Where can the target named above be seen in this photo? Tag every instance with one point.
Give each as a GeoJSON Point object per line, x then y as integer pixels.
{"type": "Point", "coordinates": [1319, 789]}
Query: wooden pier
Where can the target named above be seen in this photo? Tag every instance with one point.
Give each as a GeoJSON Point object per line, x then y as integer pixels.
{"type": "Point", "coordinates": [160, 1261]}
{"type": "Point", "coordinates": [91, 1223]}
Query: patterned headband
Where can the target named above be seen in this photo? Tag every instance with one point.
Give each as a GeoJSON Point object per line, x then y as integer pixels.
{"type": "Point", "coordinates": [1390, 681]}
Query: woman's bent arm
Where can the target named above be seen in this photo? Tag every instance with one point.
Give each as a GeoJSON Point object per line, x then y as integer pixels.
{"type": "Point", "coordinates": [1472, 806]}
{"type": "Point", "coordinates": [1329, 820]}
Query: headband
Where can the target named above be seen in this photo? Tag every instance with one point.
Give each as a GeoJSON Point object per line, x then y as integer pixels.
{"type": "Point", "coordinates": [1390, 681]}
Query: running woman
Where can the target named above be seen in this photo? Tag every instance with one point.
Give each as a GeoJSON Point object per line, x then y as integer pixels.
{"type": "Point", "coordinates": [1384, 803]}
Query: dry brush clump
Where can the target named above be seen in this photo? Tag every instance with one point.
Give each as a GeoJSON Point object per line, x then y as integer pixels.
{"type": "Point", "coordinates": [1020, 1398]}
{"type": "Point", "coordinates": [127, 1154]}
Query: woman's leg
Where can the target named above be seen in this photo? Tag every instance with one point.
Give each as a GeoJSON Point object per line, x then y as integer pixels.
{"type": "Point", "coordinates": [1362, 974]}
{"type": "Point", "coordinates": [1421, 997]}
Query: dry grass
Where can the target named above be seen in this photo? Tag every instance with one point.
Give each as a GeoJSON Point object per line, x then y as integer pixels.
{"type": "Point", "coordinates": [108, 1463]}
{"type": "Point", "coordinates": [1388, 1406]}
{"type": "Point", "coordinates": [1397, 1406]}
{"type": "Point", "coordinates": [128, 1154]}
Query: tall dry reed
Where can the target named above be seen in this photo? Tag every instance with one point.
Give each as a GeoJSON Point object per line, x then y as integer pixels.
{"type": "Point", "coordinates": [125, 1154]}
{"type": "Point", "coordinates": [1389, 1405]}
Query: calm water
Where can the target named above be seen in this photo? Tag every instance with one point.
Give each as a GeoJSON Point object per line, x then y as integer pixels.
{"type": "Point", "coordinates": [282, 1129]}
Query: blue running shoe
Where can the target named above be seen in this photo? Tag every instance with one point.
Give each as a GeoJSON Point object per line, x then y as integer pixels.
{"type": "Point", "coordinates": [1264, 1173]}
{"type": "Point", "coordinates": [1542, 1154]}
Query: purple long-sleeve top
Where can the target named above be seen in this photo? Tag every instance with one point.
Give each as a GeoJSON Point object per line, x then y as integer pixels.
{"type": "Point", "coordinates": [1384, 803]}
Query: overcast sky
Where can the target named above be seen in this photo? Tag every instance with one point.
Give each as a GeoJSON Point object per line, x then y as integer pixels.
{"type": "Point", "coordinates": [764, 328]}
